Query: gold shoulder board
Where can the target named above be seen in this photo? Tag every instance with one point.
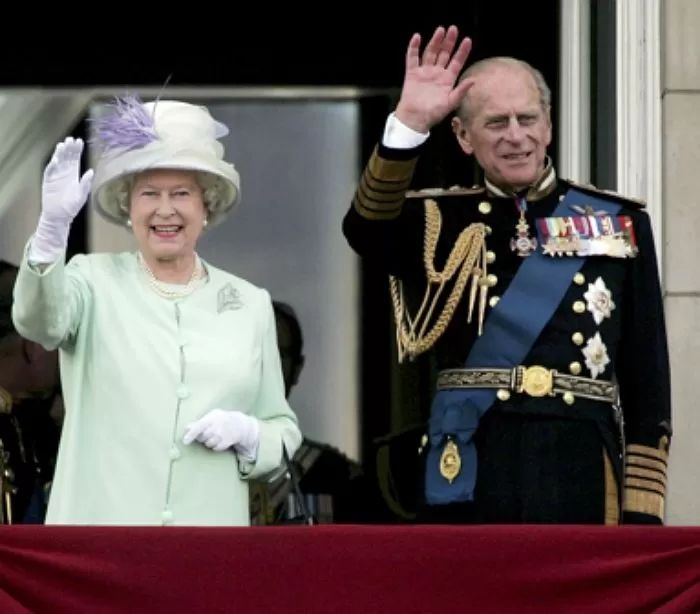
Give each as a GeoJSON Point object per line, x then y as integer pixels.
{"type": "Point", "coordinates": [437, 192]}
{"type": "Point", "coordinates": [633, 203]}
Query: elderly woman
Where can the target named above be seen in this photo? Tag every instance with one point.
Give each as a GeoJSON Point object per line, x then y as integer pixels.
{"type": "Point", "coordinates": [170, 370]}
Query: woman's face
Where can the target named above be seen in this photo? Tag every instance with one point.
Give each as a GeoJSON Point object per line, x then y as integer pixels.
{"type": "Point", "coordinates": [167, 213]}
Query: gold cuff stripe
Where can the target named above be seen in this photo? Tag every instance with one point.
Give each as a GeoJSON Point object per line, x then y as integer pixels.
{"type": "Point", "coordinates": [390, 170]}
{"type": "Point", "coordinates": [375, 214]}
{"type": "Point", "coordinates": [382, 184]}
{"type": "Point", "coordinates": [373, 191]}
{"type": "Point", "coordinates": [644, 502]}
{"type": "Point", "coordinates": [641, 472]}
{"type": "Point", "coordinates": [647, 451]}
{"type": "Point", "coordinates": [612, 503]}
{"type": "Point", "coordinates": [642, 475]}
{"type": "Point", "coordinates": [380, 197]}
{"type": "Point", "coordinates": [638, 484]}
{"type": "Point", "coordinates": [372, 208]}
{"type": "Point", "coordinates": [648, 463]}
{"type": "Point", "coordinates": [379, 205]}
{"type": "Point", "coordinates": [365, 208]}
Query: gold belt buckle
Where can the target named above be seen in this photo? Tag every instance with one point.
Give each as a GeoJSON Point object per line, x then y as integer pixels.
{"type": "Point", "coordinates": [536, 381]}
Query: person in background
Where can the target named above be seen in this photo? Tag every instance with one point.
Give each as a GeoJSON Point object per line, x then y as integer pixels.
{"type": "Point", "coordinates": [335, 488]}
{"type": "Point", "coordinates": [30, 416]}
{"type": "Point", "coordinates": [290, 341]}
{"type": "Point", "coordinates": [173, 391]}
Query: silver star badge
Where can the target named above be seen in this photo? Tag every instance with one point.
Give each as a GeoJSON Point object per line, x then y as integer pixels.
{"type": "Point", "coordinates": [596, 355]}
{"type": "Point", "coordinates": [599, 299]}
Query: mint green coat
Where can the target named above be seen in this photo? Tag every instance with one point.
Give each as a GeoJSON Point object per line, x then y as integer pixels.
{"type": "Point", "coordinates": [136, 368]}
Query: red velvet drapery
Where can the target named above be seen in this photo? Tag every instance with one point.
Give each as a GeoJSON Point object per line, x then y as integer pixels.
{"type": "Point", "coordinates": [358, 569]}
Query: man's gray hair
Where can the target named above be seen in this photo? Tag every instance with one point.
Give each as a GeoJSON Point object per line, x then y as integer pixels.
{"type": "Point", "coordinates": [481, 66]}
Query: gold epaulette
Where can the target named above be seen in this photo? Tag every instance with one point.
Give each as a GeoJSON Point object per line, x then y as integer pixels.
{"type": "Point", "coordinates": [628, 201]}
{"type": "Point", "coordinates": [437, 192]}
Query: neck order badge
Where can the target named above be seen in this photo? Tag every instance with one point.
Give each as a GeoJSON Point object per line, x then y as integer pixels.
{"type": "Point", "coordinates": [522, 243]}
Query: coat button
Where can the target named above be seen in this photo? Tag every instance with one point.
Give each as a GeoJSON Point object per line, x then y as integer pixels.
{"type": "Point", "coordinates": [577, 338]}
{"type": "Point", "coordinates": [167, 516]}
{"type": "Point", "coordinates": [575, 368]}
{"type": "Point", "coordinates": [182, 391]}
{"type": "Point", "coordinates": [503, 394]}
{"type": "Point", "coordinates": [175, 452]}
{"type": "Point", "coordinates": [485, 207]}
{"type": "Point", "coordinates": [579, 279]}
{"type": "Point", "coordinates": [490, 257]}
{"type": "Point", "coordinates": [579, 307]}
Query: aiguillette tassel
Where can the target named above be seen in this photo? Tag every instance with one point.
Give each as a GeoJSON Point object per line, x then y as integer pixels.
{"type": "Point", "coordinates": [476, 274]}
{"type": "Point", "coordinates": [483, 293]}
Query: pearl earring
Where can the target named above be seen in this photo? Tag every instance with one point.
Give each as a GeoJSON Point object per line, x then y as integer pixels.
{"type": "Point", "coordinates": [205, 222]}
{"type": "Point", "coordinates": [128, 223]}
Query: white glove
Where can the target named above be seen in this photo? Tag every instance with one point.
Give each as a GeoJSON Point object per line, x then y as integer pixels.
{"type": "Point", "coordinates": [63, 194]}
{"type": "Point", "coordinates": [220, 429]}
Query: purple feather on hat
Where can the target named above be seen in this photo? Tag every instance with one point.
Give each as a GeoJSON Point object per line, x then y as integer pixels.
{"type": "Point", "coordinates": [127, 125]}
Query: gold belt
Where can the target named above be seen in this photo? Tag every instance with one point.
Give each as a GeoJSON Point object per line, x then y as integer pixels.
{"type": "Point", "coordinates": [535, 381]}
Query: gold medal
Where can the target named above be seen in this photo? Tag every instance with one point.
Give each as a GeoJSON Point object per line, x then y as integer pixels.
{"type": "Point", "coordinates": [450, 461]}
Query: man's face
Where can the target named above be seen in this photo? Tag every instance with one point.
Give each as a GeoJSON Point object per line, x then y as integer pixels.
{"type": "Point", "coordinates": [507, 131]}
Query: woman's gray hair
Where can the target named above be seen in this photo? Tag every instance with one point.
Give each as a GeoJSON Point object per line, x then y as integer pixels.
{"type": "Point", "coordinates": [463, 111]}
{"type": "Point", "coordinates": [213, 191]}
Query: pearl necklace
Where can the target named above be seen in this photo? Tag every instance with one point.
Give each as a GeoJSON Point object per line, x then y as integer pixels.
{"type": "Point", "coordinates": [173, 291]}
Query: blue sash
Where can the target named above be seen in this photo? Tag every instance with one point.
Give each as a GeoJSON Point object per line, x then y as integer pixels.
{"type": "Point", "coordinates": [510, 331]}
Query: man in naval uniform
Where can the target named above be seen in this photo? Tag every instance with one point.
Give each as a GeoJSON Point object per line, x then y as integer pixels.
{"type": "Point", "coordinates": [539, 298]}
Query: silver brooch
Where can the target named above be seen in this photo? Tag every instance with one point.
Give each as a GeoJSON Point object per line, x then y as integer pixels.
{"type": "Point", "coordinates": [228, 298]}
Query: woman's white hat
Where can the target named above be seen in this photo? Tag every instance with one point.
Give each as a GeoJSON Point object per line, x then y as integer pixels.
{"type": "Point", "coordinates": [166, 134]}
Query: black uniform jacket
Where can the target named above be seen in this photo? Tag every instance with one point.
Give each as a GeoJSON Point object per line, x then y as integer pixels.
{"type": "Point", "coordinates": [519, 449]}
